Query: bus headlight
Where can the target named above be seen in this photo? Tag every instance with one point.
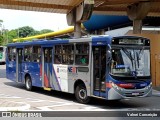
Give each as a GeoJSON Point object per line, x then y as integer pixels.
{"type": "Point", "coordinates": [149, 86]}
{"type": "Point", "coordinates": [116, 87]}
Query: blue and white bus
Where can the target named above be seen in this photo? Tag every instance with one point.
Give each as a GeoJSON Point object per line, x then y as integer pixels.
{"type": "Point", "coordinates": [2, 54]}
{"type": "Point", "coordinates": [106, 67]}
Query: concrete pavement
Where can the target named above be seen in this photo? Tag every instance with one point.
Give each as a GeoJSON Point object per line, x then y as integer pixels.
{"type": "Point", "coordinates": [7, 105]}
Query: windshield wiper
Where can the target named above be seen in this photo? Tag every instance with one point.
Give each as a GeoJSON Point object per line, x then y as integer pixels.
{"type": "Point", "coordinates": [128, 54]}
{"type": "Point", "coordinates": [139, 55]}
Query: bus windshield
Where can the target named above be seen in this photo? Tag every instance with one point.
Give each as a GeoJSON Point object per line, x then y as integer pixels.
{"type": "Point", "coordinates": [130, 62]}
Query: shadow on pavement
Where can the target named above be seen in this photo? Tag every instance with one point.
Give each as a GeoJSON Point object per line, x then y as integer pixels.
{"type": "Point", "coordinates": [57, 94]}
{"type": "Point", "coordinates": [14, 84]}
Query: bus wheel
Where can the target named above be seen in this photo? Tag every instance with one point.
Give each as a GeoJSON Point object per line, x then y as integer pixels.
{"type": "Point", "coordinates": [81, 94]}
{"type": "Point", "coordinates": [28, 83]}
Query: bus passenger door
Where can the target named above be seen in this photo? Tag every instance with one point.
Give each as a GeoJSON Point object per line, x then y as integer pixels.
{"type": "Point", "coordinates": [99, 70]}
{"type": "Point", "coordinates": [19, 58]}
{"type": "Point", "coordinates": [47, 67]}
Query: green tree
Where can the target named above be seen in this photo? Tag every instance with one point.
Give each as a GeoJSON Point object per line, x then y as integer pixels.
{"type": "Point", "coordinates": [1, 40]}
{"type": "Point", "coordinates": [21, 32]}
{"type": "Point", "coordinates": [1, 26]}
{"type": "Point", "coordinates": [1, 33]}
{"type": "Point", "coordinates": [45, 31]}
{"type": "Point", "coordinates": [5, 37]}
{"type": "Point", "coordinates": [36, 32]}
{"type": "Point", "coordinates": [25, 31]}
{"type": "Point", "coordinates": [12, 34]}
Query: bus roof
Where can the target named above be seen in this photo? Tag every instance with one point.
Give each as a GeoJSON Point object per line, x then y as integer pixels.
{"type": "Point", "coordinates": [44, 42]}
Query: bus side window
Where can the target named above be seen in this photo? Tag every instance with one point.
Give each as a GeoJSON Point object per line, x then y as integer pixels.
{"type": "Point", "coordinates": [64, 54]}
{"type": "Point", "coordinates": [36, 55]}
{"type": "Point", "coordinates": [67, 55]}
{"type": "Point", "coordinates": [82, 54]}
{"type": "Point", "coordinates": [27, 53]}
{"type": "Point", "coordinates": [11, 54]}
{"type": "Point", "coordinates": [48, 55]}
{"type": "Point", "coordinates": [57, 54]}
{"type": "Point", "coordinates": [57, 59]}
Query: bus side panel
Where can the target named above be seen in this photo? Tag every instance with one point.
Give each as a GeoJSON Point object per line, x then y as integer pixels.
{"type": "Point", "coordinates": [60, 78]}
{"type": "Point", "coordinates": [36, 81]}
{"type": "Point", "coordinates": [11, 70]}
{"type": "Point", "coordinates": [33, 69]}
{"type": "Point", "coordinates": [50, 77]}
{"type": "Point", "coordinates": [78, 73]}
{"type": "Point", "coordinates": [66, 76]}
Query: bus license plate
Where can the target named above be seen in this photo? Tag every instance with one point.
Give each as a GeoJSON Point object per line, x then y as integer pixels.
{"type": "Point", "coordinates": [135, 93]}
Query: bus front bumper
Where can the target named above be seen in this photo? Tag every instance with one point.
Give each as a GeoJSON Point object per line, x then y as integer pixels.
{"type": "Point", "coordinates": [115, 93]}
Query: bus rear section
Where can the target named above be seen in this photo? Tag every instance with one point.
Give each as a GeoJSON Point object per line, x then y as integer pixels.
{"type": "Point", "coordinates": [2, 55]}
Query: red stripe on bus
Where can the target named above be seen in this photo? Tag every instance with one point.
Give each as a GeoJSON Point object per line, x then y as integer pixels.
{"type": "Point", "coordinates": [46, 81]}
{"type": "Point", "coordinates": [129, 85]}
{"type": "Point", "coordinates": [109, 85]}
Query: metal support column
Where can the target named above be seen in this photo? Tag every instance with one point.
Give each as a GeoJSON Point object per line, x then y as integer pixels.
{"type": "Point", "coordinates": [136, 12]}
{"type": "Point", "coordinates": [77, 30]}
{"type": "Point", "coordinates": [79, 14]}
{"type": "Point", "coordinates": [137, 26]}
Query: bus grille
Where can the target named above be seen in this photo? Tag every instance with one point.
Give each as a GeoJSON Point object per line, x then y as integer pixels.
{"type": "Point", "coordinates": [133, 94]}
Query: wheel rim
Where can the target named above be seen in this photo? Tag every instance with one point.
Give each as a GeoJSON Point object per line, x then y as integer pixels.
{"type": "Point", "coordinates": [82, 94]}
{"type": "Point", "coordinates": [28, 83]}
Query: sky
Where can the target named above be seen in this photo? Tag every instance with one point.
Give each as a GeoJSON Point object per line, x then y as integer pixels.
{"type": "Point", "coordinates": [13, 19]}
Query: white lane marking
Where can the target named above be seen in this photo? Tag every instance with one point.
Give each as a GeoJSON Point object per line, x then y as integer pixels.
{"type": "Point", "coordinates": [8, 96]}
{"type": "Point", "coordinates": [45, 108]}
{"type": "Point", "coordinates": [64, 104]}
{"type": "Point", "coordinates": [34, 100]}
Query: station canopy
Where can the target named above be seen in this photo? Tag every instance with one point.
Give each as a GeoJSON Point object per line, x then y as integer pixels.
{"type": "Point", "coordinates": [108, 7]}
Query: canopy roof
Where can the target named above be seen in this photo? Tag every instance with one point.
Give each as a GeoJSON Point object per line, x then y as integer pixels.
{"type": "Point", "coordinates": [109, 7]}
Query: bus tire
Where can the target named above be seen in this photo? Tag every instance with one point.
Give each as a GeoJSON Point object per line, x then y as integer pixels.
{"type": "Point", "coordinates": [28, 83]}
{"type": "Point", "coordinates": [81, 94]}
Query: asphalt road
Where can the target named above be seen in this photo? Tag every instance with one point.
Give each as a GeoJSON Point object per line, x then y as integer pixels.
{"type": "Point", "coordinates": [40, 100]}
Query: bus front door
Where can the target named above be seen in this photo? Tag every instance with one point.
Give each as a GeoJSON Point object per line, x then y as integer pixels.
{"type": "Point", "coordinates": [47, 67]}
{"type": "Point", "coordinates": [19, 57]}
{"type": "Point", "coordinates": [99, 70]}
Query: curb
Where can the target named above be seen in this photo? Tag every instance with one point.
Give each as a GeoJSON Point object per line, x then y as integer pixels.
{"type": "Point", "coordinates": [155, 92]}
